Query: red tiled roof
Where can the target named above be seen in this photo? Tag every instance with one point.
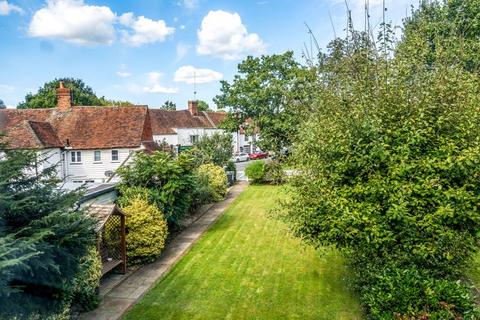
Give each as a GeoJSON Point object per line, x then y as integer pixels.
{"type": "Point", "coordinates": [164, 121]}
{"type": "Point", "coordinates": [83, 127]}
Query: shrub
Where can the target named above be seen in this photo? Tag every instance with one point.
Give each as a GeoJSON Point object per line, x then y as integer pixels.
{"type": "Point", "coordinates": [389, 174]}
{"type": "Point", "coordinates": [274, 172]}
{"type": "Point", "coordinates": [217, 180]}
{"type": "Point", "coordinates": [167, 180]}
{"type": "Point", "coordinates": [146, 230]}
{"type": "Point", "coordinates": [87, 281]}
{"type": "Point", "coordinates": [256, 171]}
{"type": "Point", "coordinates": [202, 193]}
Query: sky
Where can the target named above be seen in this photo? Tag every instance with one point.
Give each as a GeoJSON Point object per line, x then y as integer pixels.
{"type": "Point", "coordinates": [148, 51]}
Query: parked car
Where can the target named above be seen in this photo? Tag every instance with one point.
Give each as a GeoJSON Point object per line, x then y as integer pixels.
{"type": "Point", "coordinates": [258, 155]}
{"type": "Point", "coordinates": [239, 157]}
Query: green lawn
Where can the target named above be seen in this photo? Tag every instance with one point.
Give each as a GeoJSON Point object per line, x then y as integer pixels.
{"type": "Point", "coordinates": [475, 271]}
{"type": "Point", "coordinates": [247, 267]}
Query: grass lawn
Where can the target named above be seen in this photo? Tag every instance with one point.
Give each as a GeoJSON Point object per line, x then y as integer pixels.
{"type": "Point", "coordinates": [247, 267]}
{"type": "Point", "coordinates": [475, 271]}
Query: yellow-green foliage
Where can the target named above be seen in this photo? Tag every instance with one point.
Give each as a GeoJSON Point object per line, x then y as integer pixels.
{"type": "Point", "coordinates": [217, 180]}
{"type": "Point", "coordinates": [146, 231]}
{"type": "Point", "coordinates": [88, 281]}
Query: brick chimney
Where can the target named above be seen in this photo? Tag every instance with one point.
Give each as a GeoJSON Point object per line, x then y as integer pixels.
{"type": "Point", "coordinates": [64, 98]}
{"type": "Point", "coordinates": [193, 107]}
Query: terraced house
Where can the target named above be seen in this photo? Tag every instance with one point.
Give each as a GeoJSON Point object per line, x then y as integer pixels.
{"type": "Point", "coordinates": [182, 128]}
{"type": "Point", "coordinates": [87, 144]}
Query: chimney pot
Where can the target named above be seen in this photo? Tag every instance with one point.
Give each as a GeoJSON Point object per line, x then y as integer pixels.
{"type": "Point", "coordinates": [64, 98]}
{"type": "Point", "coordinates": [193, 107]}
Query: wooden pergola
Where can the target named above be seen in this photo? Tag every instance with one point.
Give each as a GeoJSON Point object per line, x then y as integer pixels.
{"type": "Point", "coordinates": [110, 231]}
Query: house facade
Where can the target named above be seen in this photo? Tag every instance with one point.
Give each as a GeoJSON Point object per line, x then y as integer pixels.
{"type": "Point", "coordinates": [182, 128]}
{"type": "Point", "coordinates": [86, 144]}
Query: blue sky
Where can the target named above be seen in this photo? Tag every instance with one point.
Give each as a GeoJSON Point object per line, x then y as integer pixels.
{"type": "Point", "coordinates": [146, 51]}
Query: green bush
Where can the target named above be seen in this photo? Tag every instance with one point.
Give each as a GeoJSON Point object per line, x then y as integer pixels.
{"type": "Point", "coordinates": [389, 174]}
{"type": "Point", "coordinates": [274, 173]}
{"type": "Point", "coordinates": [167, 180]}
{"type": "Point", "coordinates": [201, 193]}
{"type": "Point", "coordinates": [87, 281]}
{"type": "Point", "coordinates": [146, 230]}
{"type": "Point", "coordinates": [217, 180]}
{"type": "Point", "coordinates": [231, 167]}
{"type": "Point", "coordinates": [255, 171]}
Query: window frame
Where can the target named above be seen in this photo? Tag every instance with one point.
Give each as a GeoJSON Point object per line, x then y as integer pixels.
{"type": "Point", "coordinates": [117, 155]}
{"type": "Point", "coordinates": [95, 152]}
{"type": "Point", "coordinates": [75, 157]}
{"type": "Point", "coordinates": [194, 138]}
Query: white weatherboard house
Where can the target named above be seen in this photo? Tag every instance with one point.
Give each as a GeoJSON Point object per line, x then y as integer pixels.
{"type": "Point", "coordinates": [87, 144]}
{"type": "Point", "coordinates": [182, 128]}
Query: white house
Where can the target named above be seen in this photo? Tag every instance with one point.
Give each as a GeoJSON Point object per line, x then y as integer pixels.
{"type": "Point", "coordinates": [181, 128]}
{"type": "Point", "coordinates": [184, 127]}
{"type": "Point", "coordinates": [86, 144]}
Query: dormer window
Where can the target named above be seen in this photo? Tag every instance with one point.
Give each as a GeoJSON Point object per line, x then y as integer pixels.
{"type": "Point", "coordinates": [75, 157]}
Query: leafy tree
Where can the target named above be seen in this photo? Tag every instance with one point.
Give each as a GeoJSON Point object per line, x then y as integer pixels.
{"type": "Point", "coordinates": [164, 180]}
{"type": "Point", "coordinates": [266, 89]}
{"type": "Point", "coordinates": [43, 237]}
{"type": "Point", "coordinates": [216, 149]}
{"type": "Point", "coordinates": [203, 106]}
{"type": "Point", "coordinates": [444, 31]}
{"type": "Point", "coordinates": [2, 104]}
{"type": "Point", "coordinates": [387, 164]}
{"type": "Point", "coordinates": [46, 97]}
{"type": "Point", "coordinates": [169, 105]}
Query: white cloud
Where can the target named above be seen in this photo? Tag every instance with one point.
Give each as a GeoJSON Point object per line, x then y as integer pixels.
{"type": "Point", "coordinates": [182, 50]}
{"type": "Point", "coordinates": [7, 8]}
{"type": "Point", "coordinates": [189, 4]}
{"type": "Point", "coordinates": [154, 85]}
{"type": "Point", "coordinates": [223, 35]}
{"type": "Point", "coordinates": [143, 30]}
{"type": "Point", "coordinates": [190, 74]}
{"type": "Point", "coordinates": [74, 21]}
{"type": "Point", "coordinates": [124, 74]}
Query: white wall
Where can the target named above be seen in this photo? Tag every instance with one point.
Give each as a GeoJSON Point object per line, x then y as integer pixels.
{"type": "Point", "coordinates": [185, 133]}
{"type": "Point", "coordinates": [240, 142]}
{"type": "Point", "coordinates": [168, 138]}
{"type": "Point", "coordinates": [50, 158]}
{"type": "Point", "coordinates": [89, 170]}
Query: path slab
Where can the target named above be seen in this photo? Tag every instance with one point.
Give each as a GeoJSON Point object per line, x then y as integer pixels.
{"type": "Point", "coordinates": [128, 292]}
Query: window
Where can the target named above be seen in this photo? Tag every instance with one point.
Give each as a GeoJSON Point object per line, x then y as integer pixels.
{"type": "Point", "coordinates": [246, 138]}
{"type": "Point", "coordinates": [194, 139]}
{"type": "Point", "coordinates": [114, 155]}
{"type": "Point", "coordinates": [76, 156]}
{"type": "Point", "coordinates": [97, 156]}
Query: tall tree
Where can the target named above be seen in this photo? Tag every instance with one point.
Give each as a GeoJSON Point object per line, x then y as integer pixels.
{"type": "Point", "coordinates": [46, 97]}
{"type": "Point", "coordinates": [169, 105]}
{"type": "Point", "coordinates": [216, 149]}
{"type": "Point", "coordinates": [43, 237]}
{"type": "Point", "coordinates": [203, 106]}
{"type": "Point", "coordinates": [266, 91]}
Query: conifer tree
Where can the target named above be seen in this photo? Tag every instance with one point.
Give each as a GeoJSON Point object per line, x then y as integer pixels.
{"type": "Point", "coordinates": [43, 236]}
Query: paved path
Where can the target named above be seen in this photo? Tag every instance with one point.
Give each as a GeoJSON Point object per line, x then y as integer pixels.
{"type": "Point", "coordinates": [116, 302]}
